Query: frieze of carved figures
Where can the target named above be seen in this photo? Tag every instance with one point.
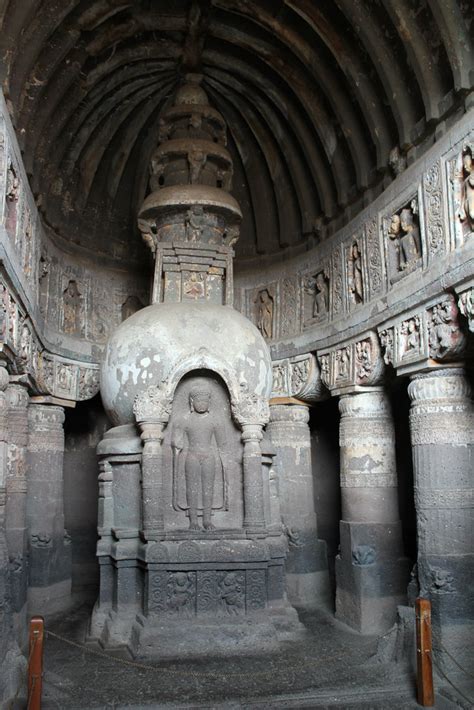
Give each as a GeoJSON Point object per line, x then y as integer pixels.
{"type": "Point", "coordinates": [402, 237]}
{"type": "Point", "coordinates": [73, 318]}
{"type": "Point", "coordinates": [152, 405]}
{"type": "Point", "coordinates": [357, 363]}
{"type": "Point", "coordinates": [414, 340]}
{"type": "Point", "coordinates": [337, 282]}
{"type": "Point", "coordinates": [316, 288]}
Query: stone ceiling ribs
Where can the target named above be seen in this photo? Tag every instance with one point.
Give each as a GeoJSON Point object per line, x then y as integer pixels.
{"type": "Point", "coordinates": [315, 94]}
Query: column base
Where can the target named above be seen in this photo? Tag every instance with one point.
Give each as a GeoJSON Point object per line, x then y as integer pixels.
{"type": "Point", "coordinates": [371, 576]}
{"type": "Point", "coordinates": [51, 599]}
{"type": "Point", "coordinates": [307, 576]}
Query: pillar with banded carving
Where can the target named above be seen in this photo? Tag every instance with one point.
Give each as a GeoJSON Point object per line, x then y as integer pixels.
{"type": "Point", "coordinates": [50, 550]}
{"type": "Point", "coordinates": [306, 567]}
{"type": "Point", "coordinates": [371, 571]}
{"type": "Point", "coordinates": [442, 434]}
{"type": "Point", "coordinates": [16, 490]}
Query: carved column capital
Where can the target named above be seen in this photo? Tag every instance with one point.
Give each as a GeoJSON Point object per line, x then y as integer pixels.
{"type": "Point", "coordinates": [371, 403]}
{"type": "Point", "coordinates": [152, 406]}
{"type": "Point", "coordinates": [252, 432]}
{"type": "Point", "coordinates": [444, 384]}
{"type": "Point", "coordinates": [298, 377]}
{"type": "Point", "coordinates": [251, 409]}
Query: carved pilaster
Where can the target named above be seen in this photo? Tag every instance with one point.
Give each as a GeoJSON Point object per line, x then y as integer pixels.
{"type": "Point", "coordinates": [106, 504]}
{"type": "Point", "coordinates": [50, 549]}
{"type": "Point", "coordinates": [152, 412]}
{"type": "Point", "coordinates": [371, 573]}
{"type": "Point", "coordinates": [442, 425]}
{"type": "Point", "coordinates": [253, 484]}
{"type": "Point", "coordinates": [306, 566]}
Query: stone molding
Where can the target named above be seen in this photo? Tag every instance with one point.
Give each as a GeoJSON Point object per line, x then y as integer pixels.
{"type": "Point", "coordinates": [292, 414]}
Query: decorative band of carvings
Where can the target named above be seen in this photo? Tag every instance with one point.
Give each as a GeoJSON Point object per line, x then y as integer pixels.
{"type": "Point", "coordinates": [46, 441]}
{"type": "Point", "coordinates": [445, 384]}
{"type": "Point", "coordinates": [298, 377]}
{"type": "Point", "coordinates": [369, 480]}
{"type": "Point", "coordinates": [451, 428]}
{"type": "Point", "coordinates": [289, 442]}
{"type": "Point", "coordinates": [354, 431]}
{"type": "Point", "coordinates": [443, 498]}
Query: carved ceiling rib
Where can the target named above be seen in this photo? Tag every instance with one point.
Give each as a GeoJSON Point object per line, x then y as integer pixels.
{"type": "Point", "coordinates": [326, 90]}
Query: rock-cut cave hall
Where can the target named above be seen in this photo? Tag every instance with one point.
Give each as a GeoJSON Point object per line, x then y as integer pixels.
{"type": "Point", "coordinates": [236, 348]}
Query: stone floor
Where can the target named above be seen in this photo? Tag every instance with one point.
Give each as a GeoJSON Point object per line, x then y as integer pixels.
{"type": "Point", "coordinates": [334, 669]}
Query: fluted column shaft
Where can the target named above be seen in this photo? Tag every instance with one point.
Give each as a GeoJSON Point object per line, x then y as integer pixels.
{"type": "Point", "coordinates": [442, 434]}
{"type": "Point", "coordinates": [371, 572]}
{"type": "Point", "coordinates": [50, 550]}
{"type": "Point", "coordinates": [307, 571]}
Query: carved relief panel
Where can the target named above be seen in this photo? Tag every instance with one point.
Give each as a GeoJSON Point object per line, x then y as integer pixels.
{"type": "Point", "coordinates": [357, 363]}
{"type": "Point", "coordinates": [316, 296]}
{"type": "Point", "coordinates": [460, 173]}
{"type": "Point", "coordinates": [403, 240]}
{"type": "Point", "coordinates": [262, 307]}
{"type": "Point", "coordinates": [355, 267]}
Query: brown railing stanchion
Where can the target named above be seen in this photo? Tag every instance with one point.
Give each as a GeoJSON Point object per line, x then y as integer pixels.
{"type": "Point", "coordinates": [424, 661]}
{"type": "Point", "coordinates": [35, 663]}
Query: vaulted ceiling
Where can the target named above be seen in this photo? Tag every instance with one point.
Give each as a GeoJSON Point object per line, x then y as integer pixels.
{"type": "Point", "coordinates": [316, 93]}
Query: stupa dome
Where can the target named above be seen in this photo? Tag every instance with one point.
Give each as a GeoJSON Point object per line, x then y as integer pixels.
{"type": "Point", "coordinates": [147, 348]}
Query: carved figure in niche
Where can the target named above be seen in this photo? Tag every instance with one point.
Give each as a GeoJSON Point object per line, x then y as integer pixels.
{"type": "Point", "coordinates": [197, 159]}
{"type": "Point", "coordinates": [195, 221]}
{"type": "Point", "coordinates": [410, 330]}
{"type": "Point", "coordinates": [196, 435]}
{"type": "Point", "coordinates": [181, 593]}
{"type": "Point", "coordinates": [386, 340]}
{"type": "Point", "coordinates": [25, 343]}
{"type": "Point", "coordinates": [355, 279]}
{"type": "Point", "coordinates": [278, 378]}
{"type": "Point", "coordinates": [318, 287]}
{"type": "Point", "coordinates": [342, 364]}
{"type": "Point", "coordinates": [364, 359]}
{"type": "Point", "coordinates": [130, 306]}
{"type": "Point", "coordinates": [405, 234]}
{"type": "Point", "coordinates": [441, 328]}
{"type": "Point", "coordinates": [231, 589]}
{"type": "Point", "coordinates": [299, 375]}
{"type": "Point", "coordinates": [12, 196]}
{"type": "Point", "coordinates": [397, 161]}
{"type": "Point", "coordinates": [466, 213]}
{"type": "Point", "coordinates": [265, 313]}
{"type": "Point", "coordinates": [72, 301]}
{"type": "Point", "coordinates": [193, 286]}
{"type": "Point", "coordinates": [224, 179]}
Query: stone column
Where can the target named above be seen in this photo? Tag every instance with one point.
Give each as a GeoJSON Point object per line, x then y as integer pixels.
{"type": "Point", "coordinates": [253, 479]}
{"type": "Point", "coordinates": [50, 550]}
{"type": "Point", "coordinates": [442, 434]}
{"type": "Point", "coordinates": [306, 567]}
{"type": "Point", "coordinates": [10, 658]}
{"type": "Point", "coordinates": [371, 572]}
{"type": "Point", "coordinates": [16, 488]}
